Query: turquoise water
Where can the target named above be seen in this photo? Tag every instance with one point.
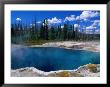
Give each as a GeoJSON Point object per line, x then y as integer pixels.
{"type": "Point", "coordinates": [51, 58]}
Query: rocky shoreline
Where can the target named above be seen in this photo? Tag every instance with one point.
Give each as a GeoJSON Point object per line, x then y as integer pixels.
{"type": "Point", "coordinates": [91, 45]}
{"type": "Point", "coordinates": [89, 70]}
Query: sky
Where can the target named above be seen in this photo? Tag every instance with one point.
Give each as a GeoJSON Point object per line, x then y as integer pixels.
{"type": "Point", "coordinates": [88, 19]}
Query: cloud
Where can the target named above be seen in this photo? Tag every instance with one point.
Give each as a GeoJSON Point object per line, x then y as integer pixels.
{"type": "Point", "coordinates": [87, 14]}
{"type": "Point", "coordinates": [54, 20]}
{"type": "Point", "coordinates": [91, 27]}
{"type": "Point", "coordinates": [76, 26]}
{"type": "Point", "coordinates": [38, 22]}
{"type": "Point", "coordinates": [91, 31]}
{"type": "Point", "coordinates": [18, 19]}
{"type": "Point", "coordinates": [31, 25]}
{"type": "Point", "coordinates": [62, 26]}
{"type": "Point", "coordinates": [97, 31]}
{"type": "Point", "coordinates": [78, 18]}
{"type": "Point", "coordinates": [70, 18]}
{"type": "Point", "coordinates": [96, 23]}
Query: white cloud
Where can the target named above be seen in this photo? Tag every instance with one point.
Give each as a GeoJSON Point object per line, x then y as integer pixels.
{"type": "Point", "coordinates": [85, 15]}
{"type": "Point", "coordinates": [97, 31]}
{"type": "Point", "coordinates": [96, 23]}
{"type": "Point", "coordinates": [88, 14]}
{"type": "Point", "coordinates": [78, 18]}
{"type": "Point", "coordinates": [38, 22]}
{"type": "Point", "coordinates": [76, 26]}
{"type": "Point", "coordinates": [54, 20]}
{"type": "Point", "coordinates": [70, 18]}
{"type": "Point", "coordinates": [18, 19]}
{"type": "Point", "coordinates": [91, 27]}
{"type": "Point", "coordinates": [91, 31]}
{"type": "Point", "coordinates": [62, 26]}
{"type": "Point", "coordinates": [32, 25]}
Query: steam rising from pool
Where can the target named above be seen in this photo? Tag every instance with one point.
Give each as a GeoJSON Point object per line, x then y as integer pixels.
{"type": "Point", "coordinates": [51, 58]}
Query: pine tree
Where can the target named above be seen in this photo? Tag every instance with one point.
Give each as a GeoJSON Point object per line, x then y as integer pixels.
{"type": "Point", "coordinates": [46, 28]}
{"type": "Point", "coordinates": [64, 32]}
{"type": "Point", "coordinates": [51, 34]}
{"type": "Point", "coordinates": [58, 35]}
{"type": "Point", "coordinates": [73, 33]}
{"type": "Point", "coordinates": [42, 32]}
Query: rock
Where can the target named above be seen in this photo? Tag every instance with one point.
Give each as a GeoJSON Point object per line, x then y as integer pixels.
{"type": "Point", "coordinates": [82, 71]}
{"type": "Point", "coordinates": [90, 45]}
{"type": "Point", "coordinates": [85, 70]}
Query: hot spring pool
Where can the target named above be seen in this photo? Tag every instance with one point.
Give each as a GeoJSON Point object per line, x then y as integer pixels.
{"type": "Point", "coordinates": [51, 58]}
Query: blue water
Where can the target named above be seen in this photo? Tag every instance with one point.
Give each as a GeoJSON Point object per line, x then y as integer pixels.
{"type": "Point", "coordinates": [51, 59]}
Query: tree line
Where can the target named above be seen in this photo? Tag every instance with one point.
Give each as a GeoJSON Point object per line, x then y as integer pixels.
{"type": "Point", "coordinates": [22, 33]}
